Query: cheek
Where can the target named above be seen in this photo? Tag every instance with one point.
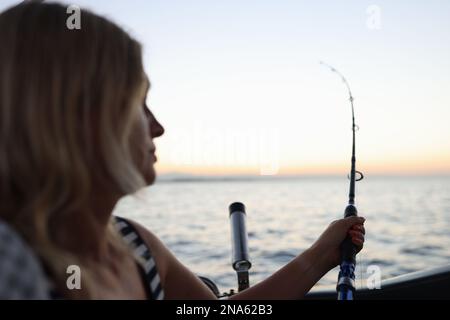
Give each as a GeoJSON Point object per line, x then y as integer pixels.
{"type": "Point", "coordinates": [138, 145]}
{"type": "Point", "coordinates": [141, 145]}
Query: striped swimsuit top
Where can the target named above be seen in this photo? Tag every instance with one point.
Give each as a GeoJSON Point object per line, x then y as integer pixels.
{"type": "Point", "coordinates": [144, 258]}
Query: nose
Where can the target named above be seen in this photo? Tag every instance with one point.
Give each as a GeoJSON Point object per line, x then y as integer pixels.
{"type": "Point", "coordinates": [156, 129]}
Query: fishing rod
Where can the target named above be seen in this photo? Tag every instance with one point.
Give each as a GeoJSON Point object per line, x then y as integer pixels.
{"type": "Point", "coordinates": [346, 280]}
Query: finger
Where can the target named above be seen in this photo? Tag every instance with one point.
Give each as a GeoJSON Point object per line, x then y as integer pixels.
{"type": "Point", "coordinates": [352, 220]}
{"type": "Point", "coordinates": [358, 242]}
{"type": "Point", "coordinates": [359, 227]}
{"type": "Point", "coordinates": [359, 237]}
{"type": "Point", "coordinates": [362, 229]}
{"type": "Point", "coordinates": [359, 246]}
{"type": "Point", "coordinates": [356, 233]}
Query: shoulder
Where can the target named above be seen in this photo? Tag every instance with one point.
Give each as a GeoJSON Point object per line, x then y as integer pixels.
{"type": "Point", "coordinates": [159, 251]}
{"type": "Point", "coordinates": [177, 280]}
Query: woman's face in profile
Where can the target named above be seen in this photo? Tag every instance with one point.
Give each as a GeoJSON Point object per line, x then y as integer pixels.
{"type": "Point", "coordinates": [143, 147]}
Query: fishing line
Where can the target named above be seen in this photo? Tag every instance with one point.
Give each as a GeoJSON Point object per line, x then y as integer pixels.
{"type": "Point", "coordinates": [355, 127]}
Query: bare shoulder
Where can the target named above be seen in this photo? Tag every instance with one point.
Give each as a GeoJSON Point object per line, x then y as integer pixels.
{"type": "Point", "coordinates": [177, 280]}
{"type": "Point", "coordinates": [159, 251]}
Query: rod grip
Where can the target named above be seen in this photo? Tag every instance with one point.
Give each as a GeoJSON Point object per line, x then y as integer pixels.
{"type": "Point", "coordinates": [348, 248]}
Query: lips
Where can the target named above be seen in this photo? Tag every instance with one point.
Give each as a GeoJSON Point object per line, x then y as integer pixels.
{"type": "Point", "coordinates": [152, 153]}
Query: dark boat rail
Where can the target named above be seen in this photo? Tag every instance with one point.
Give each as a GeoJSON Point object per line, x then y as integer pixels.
{"type": "Point", "coordinates": [421, 285]}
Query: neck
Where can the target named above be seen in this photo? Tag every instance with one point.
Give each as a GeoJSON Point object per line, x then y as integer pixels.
{"type": "Point", "coordinates": [85, 232]}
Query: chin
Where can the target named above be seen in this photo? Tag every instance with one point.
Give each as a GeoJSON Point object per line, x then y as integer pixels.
{"type": "Point", "coordinates": [150, 176]}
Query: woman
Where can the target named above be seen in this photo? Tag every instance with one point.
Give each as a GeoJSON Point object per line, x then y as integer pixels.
{"type": "Point", "coordinates": [75, 137]}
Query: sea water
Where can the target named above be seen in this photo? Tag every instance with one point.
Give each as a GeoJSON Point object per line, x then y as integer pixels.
{"type": "Point", "coordinates": [407, 222]}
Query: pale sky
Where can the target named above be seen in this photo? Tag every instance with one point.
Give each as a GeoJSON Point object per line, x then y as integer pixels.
{"type": "Point", "coordinates": [239, 88]}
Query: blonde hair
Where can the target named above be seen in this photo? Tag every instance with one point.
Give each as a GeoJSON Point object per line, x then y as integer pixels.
{"type": "Point", "coordinates": [68, 99]}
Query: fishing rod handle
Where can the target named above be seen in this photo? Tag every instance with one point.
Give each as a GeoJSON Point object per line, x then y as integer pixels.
{"type": "Point", "coordinates": [239, 240]}
{"type": "Point", "coordinates": [346, 279]}
{"type": "Point", "coordinates": [348, 248]}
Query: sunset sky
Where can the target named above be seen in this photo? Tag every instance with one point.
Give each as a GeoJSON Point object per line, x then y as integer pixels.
{"type": "Point", "coordinates": [239, 88]}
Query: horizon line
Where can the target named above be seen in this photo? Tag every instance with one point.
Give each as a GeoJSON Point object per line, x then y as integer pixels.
{"type": "Point", "coordinates": [176, 176]}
